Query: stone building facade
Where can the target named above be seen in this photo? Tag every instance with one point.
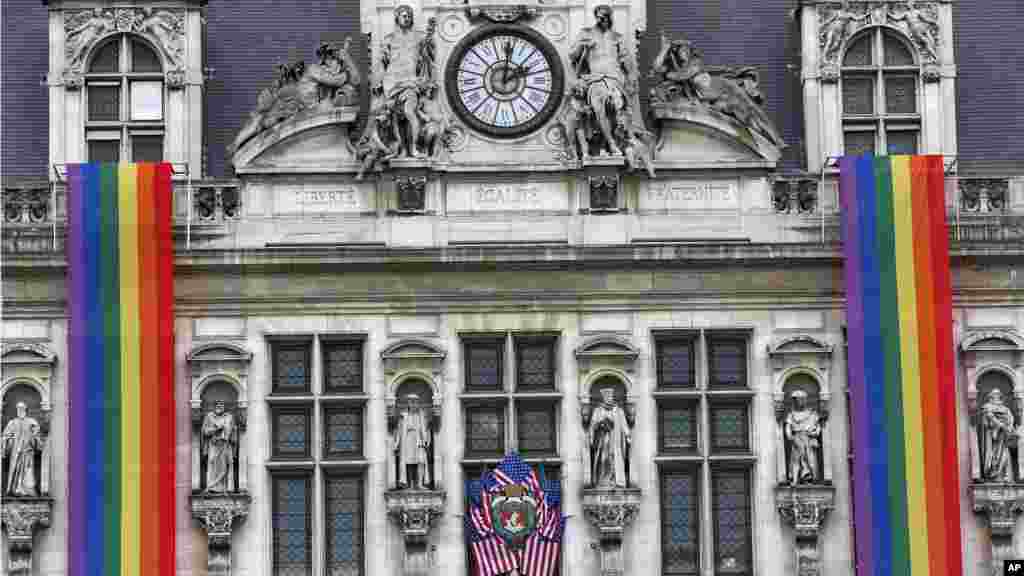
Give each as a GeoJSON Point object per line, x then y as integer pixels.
{"type": "Point", "coordinates": [487, 213]}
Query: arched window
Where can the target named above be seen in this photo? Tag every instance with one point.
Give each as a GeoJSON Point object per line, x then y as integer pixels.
{"type": "Point", "coordinates": [125, 102]}
{"type": "Point", "coordinates": [880, 103]}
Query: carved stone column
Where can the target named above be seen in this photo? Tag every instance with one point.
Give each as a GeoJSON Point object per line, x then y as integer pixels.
{"type": "Point", "coordinates": [22, 517]}
{"type": "Point", "coordinates": [805, 507]}
{"type": "Point", "coordinates": [1001, 504]}
{"type": "Point", "coordinates": [611, 510]}
{"type": "Point", "coordinates": [415, 511]}
{"type": "Point", "coordinates": [217, 513]}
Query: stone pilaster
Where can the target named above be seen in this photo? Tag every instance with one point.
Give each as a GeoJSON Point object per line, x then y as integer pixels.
{"type": "Point", "coordinates": [217, 513]}
{"type": "Point", "coordinates": [415, 512]}
{"type": "Point", "coordinates": [22, 517]}
{"type": "Point", "coordinates": [1000, 504]}
{"type": "Point", "coordinates": [805, 507]}
{"type": "Point", "coordinates": [611, 511]}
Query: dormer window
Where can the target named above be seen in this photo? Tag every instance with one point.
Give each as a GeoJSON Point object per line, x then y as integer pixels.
{"type": "Point", "coordinates": [125, 102]}
{"type": "Point", "coordinates": [880, 82]}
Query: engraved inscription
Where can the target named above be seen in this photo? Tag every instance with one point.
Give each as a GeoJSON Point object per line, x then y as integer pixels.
{"type": "Point", "coordinates": [507, 197]}
{"type": "Point", "coordinates": [346, 199]}
{"type": "Point", "coordinates": [690, 196]}
{"type": "Point", "coordinates": [522, 197]}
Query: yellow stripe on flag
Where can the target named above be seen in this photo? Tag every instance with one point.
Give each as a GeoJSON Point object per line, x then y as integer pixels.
{"type": "Point", "coordinates": [128, 269]}
{"type": "Point", "coordinates": [906, 276]}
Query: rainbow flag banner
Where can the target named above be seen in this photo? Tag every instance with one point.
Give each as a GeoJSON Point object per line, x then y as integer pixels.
{"type": "Point", "coordinates": [121, 371]}
{"type": "Point", "coordinates": [900, 357]}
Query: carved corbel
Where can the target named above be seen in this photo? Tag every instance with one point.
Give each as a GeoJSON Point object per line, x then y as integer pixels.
{"type": "Point", "coordinates": [611, 511]}
{"type": "Point", "coordinates": [1000, 504]}
{"type": "Point", "coordinates": [218, 514]}
{"type": "Point", "coordinates": [22, 517]}
{"type": "Point", "coordinates": [805, 508]}
{"type": "Point", "coordinates": [415, 512]}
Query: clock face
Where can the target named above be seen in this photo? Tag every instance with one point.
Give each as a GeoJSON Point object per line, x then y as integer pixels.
{"type": "Point", "coordinates": [505, 81]}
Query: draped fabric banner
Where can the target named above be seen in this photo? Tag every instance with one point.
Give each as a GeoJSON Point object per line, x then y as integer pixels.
{"type": "Point", "coordinates": [121, 371]}
{"type": "Point", "coordinates": [900, 356]}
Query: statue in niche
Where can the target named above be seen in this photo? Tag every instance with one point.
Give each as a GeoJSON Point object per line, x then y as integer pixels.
{"type": "Point", "coordinates": [412, 445]}
{"type": "Point", "coordinates": [803, 439]}
{"type": "Point", "coordinates": [21, 442]}
{"type": "Point", "coordinates": [331, 82]}
{"type": "Point", "coordinates": [605, 82]}
{"type": "Point", "coordinates": [836, 28]}
{"type": "Point", "coordinates": [609, 440]}
{"type": "Point", "coordinates": [996, 432]}
{"type": "Point", "coordinates": [923, 28]}
{"type": "Point", "coordinates": [220, 436]}
{"type": "Point", "coordinates": [681, 76]}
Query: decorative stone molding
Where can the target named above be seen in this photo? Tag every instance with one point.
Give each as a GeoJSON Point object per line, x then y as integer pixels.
{"type": "Point", "coordinates": [795, 195]}
{"type": "Point", "coordinates": [500, 12]}
{"type": "Point", "coordinates": [606, 351]}
{"type": "Point", "coordinates": [217, 513]}
{"type": "Point", "coordinates": [26, 205]}
{"type": "Point", "coordinates": [805, 508]}
{"type": "Point", "coordinates": [415, 512]}
{"type": "Point", "coordinates": [840, 21]}
{"type": "Point", "coordinates": [604, 193]}
{"type": "Point", "coordinates": [1001, 504]}
{"type": "Point", "coordinates": [84, 29]}
{"type": "Point", "coordinates": [611, 511]}
{"type": "Point", "coordinates": [981, 195]}
{"type": "Point", "coordinates": [22, 517]}
{"type": "Point", "coordinates": [412, 194]}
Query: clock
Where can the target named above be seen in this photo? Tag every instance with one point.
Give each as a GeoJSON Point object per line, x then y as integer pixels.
{"type": "Point", "coordinates": [504, 81]}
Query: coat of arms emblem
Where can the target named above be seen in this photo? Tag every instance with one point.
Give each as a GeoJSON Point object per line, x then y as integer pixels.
{"type": "Point", "coordinates": [514, 514]}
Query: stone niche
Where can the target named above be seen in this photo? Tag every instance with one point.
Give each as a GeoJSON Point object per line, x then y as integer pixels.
{"type": "Point", "coordinates": [25, 398]}
{"type": "Point", "coordinates": [219, 405]}
{"type": "Point", "coordinates": [993, 365]}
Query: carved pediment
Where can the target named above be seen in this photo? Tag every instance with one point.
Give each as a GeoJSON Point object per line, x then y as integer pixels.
{"type": "Point", "coordinates": [26, 353]}
{"type": "Point", "coordinates": [607, 346]}
{"type": "Point", "coordinates": [314, 139]}
{"type": "Point", "coordinates": [408, 349]}
{"type": "Point", "coordinates": [219, 352]}
{"type": "Point", "coordinates": [992, 340]}
{"type": "Point", "coordinates": [800, 344]}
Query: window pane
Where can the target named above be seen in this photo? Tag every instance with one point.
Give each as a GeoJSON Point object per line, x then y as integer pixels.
{"type": "Point", "coordinates": [107, 58]}
{"type": "Point", "coordinates": [731, 503]}
{"type": "Point", "coordinates": [291, 433]}
{"type": "Point", "coordinates": [858, 143]}
{"type": "Point", "coordinates": [344, 525]}
{"type": "Point", "coordinates": [858, 95]}
{"type": "Point", "coordinates": [293, 542]}
{"type": "Point", "coordinates": [343, 367]}
{"type": "Point", "coordinates": [859, 53]}
{"type": "Point", "coordinates": [343, 432]}
{"type": "Point", "coordinates": [679, 532]}
{"type": "Point", "coordinates": [536, 428]}
{"type": "Point", "coordinates": [291, 368]}
{"type": "Point", "coordinates": [535, 364]}
{"type": "Point", "coordinates": [104, 103]}
{"type": "Point", "coordinates": [675, 364]}
{"type": "Point", "coordinates": [144, 59]}
{"type": "Point", "coordinates": [147, 100]}
{"type": "Point", "coordinates": [900, 94]}
{"type": "Point", "coordinates": [896, 52]}
{"type": "Point", "coordinates": [902, 142]}
{"type": "Point", "coordinates": [677, 428]}
{"type": "Point", "coordinates": [483, 365]}
{"type": "Point", "coordinates": [104, 150]}
{"type": "Point", "coordinates": [485, 431]}
{"type": "Point", "coordinates": [729, 428]}
{"type": "Point", "coordinates": [147, 148]}
{"type": "Point", "coordinates": [728, 363]}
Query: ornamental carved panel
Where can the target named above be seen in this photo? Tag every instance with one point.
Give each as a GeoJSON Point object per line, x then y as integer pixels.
{"type": "Point", "coordinates": [83, 29]}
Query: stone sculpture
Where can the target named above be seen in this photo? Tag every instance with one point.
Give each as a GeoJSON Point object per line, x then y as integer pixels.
{"type": "Point", "coordinates": [604, 79]}
{"type": "Point", "coordinates": [680, 77]}
{"type": "Point", "coordinates": [81, 32]}
{"type": "Point", "coordinates": [406, 119]}
{"type": "Point", "coordinates": [412, 445]}
{"type": "Point", "coordinates": [609, 440]}
{"type": "Point", "coordinates": [996, 432]}
{"type": "Point", "coordinates": [922, 27]}
{"type": "Point", "coordinates": [803, 433]}
{"type": "Point", "coordinates": [21, 443]}
{"type": "Point", "coordinates": [330, 83]}
{"type": "Point", "coordinates": [220, 436]}
{"type": "Point", "coordinates": [836, 28]}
